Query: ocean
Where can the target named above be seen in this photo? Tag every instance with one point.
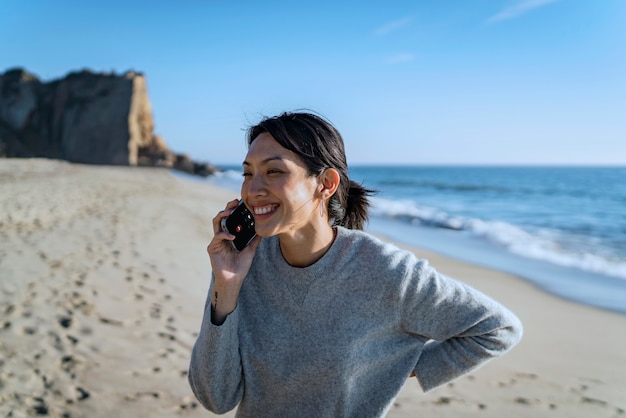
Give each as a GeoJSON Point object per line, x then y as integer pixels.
{"type": "Point", "coordinates": [561, 228]}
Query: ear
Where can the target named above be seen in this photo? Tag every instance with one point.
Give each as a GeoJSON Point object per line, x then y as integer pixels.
{"type": "Point", "coordinates": [329, 181]}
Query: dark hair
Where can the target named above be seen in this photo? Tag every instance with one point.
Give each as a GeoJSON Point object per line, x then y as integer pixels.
{"type": "Point", "coordinates": [320, 146]}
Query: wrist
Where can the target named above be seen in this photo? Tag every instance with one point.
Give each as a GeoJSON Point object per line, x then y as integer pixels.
{"type": "Point", "coordinates": [217, 318]}
{"type": "Point", "coordinates": [223, 302]}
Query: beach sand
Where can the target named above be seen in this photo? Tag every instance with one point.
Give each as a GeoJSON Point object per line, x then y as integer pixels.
{"type": "Point", "coordinates": [103, 279]}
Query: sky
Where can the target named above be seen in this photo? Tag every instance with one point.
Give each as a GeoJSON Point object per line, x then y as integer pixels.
{"type": "Point", "coordinates": [503, 82]}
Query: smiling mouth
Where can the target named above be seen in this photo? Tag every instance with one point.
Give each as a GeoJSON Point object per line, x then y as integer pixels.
{"type": "Point", "coordinates": [263, 210]}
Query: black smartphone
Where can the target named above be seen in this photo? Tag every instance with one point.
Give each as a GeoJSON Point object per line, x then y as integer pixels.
{"type": "Point", "coordinates": [240, 223]}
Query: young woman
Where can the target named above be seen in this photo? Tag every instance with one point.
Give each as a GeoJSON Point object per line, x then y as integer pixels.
{"type": "Point", "coordinates": [316, 317]}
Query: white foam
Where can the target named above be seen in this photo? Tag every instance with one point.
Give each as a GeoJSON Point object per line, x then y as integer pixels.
{"type": "Point", "coordinates": [542, 244]}
{"type": "Point", "coordinates": [228, 179]}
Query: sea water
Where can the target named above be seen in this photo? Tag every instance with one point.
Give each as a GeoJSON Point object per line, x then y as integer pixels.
{"type": "Point", "coordinates": [562, 228]}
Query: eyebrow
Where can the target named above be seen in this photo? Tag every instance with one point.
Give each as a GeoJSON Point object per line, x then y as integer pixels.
{"type": "Point", "coordinates": [267, 160]}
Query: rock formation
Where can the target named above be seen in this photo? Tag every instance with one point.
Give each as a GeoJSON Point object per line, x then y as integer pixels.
{"type": "Point", "coordinates": [85, 118]}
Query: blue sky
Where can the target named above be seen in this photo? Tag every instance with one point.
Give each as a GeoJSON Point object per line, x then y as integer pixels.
{"type": "Point", "coordinates": [405, 82]}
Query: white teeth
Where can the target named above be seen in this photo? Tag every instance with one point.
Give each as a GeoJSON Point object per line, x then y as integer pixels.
{"type": "Point", "coordinates": [263, 210]}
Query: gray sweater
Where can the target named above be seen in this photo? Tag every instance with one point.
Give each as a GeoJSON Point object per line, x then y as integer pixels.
{"type": "Point", "coordinates": [339, 338]}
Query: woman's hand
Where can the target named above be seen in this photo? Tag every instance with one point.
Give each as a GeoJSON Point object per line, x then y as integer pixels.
{"type": "Point", "coordinates": [229, 267]}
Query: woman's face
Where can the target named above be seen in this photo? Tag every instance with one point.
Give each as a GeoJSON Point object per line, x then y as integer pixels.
{"type": "Point", "coordinates": [277, 188]}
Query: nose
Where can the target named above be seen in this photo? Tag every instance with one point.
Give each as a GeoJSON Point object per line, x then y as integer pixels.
{"type": "Point", "coordinates": [255, 186]}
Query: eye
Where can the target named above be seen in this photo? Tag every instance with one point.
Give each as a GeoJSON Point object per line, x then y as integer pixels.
{"type": "Point", "coordinates": [246, 174]}
{"type": "Point", "coordinates": [273, 171]}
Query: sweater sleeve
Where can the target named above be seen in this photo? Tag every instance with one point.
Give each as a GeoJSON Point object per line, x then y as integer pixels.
{"type": "Point", "coordinates": [215, 372]}
{"type": "Point", "coordinates": [465, 328]}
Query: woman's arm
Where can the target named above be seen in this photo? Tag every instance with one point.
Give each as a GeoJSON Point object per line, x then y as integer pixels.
{"type": "Point", "coordinates": [215, 373]}
{"type": "Point", "coordinates": [467, 328]}
{"type": "Point", "coordinates": [229, 267]}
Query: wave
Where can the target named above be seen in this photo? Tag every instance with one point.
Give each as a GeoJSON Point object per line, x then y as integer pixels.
{"type": "Point", "coordinates": [228, 179]}
{"type": "Point", "coordinates": [544, 244]}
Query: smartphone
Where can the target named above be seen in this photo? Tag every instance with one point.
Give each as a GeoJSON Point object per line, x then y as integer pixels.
{"type": "Point", "coordinates": [240, 223]}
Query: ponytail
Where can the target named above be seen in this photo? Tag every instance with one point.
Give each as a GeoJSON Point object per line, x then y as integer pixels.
{"type": "Point", "coordinates": [352, 213]}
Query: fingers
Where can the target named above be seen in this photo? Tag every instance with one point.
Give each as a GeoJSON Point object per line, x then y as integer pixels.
{"type": "Point", "coordinates": [229, 266]}
{"type": "Point", "coordinates": [217, 220]}
{"type": "Point", "coordinates": [220, 235]}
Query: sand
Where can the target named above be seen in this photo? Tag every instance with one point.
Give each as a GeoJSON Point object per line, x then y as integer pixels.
{"type": "Point", "coordinates": [103, 278]}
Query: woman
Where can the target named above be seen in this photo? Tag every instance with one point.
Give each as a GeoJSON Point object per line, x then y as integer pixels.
{"type": "Point", "coordinates": [316, 317]}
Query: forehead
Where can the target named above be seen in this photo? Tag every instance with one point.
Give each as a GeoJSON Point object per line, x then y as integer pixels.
{"type": "Point", "coordinates": [265, 149]}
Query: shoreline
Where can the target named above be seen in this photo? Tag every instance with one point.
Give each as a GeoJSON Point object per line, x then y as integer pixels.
{"type": "Point", "coordinates": [104, 279]}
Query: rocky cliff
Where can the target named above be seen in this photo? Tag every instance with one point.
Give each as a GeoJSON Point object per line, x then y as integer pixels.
{"type": "Point", "coordinates": [85, 117]}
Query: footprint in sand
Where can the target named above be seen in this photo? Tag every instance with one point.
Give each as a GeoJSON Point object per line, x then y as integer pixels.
{"type": "Point", "coordinates": [155, 311]}
{"type": "Point", "coordinates": [138, 395]}
{"type": "Point", "coordinates": [57, 342]}
{"type": "Point", "coordinates": [524, 401]}
{"type": "Point", "coordinates": [65, 321]}
{"type": "Point", "coordinates": [29, 330]}
{"type": "Point", "coordinates": [81, 394]}
{"type": "Point", "coordinates": [188, 402]}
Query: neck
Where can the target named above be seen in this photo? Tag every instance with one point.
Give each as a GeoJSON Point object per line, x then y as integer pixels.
{"type": "Point", "coordinates": [304, 248]}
